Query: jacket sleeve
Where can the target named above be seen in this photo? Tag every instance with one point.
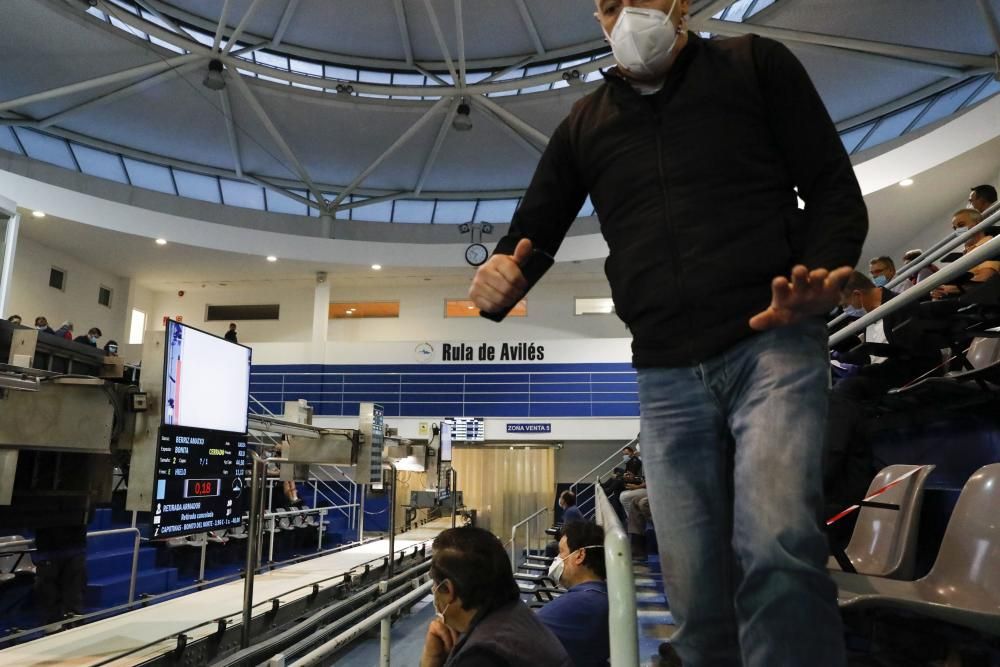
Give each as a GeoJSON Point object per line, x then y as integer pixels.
{"type": "Point", "coordinates": [551, 202]}
{"type": "Point", "coordinates": [835, 220]}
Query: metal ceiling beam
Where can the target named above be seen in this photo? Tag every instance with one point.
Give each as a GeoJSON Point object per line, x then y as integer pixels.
{"type": "Point", "coordinates": [529, 24]}
{"type": "Point", "coordinates": [912, 54]}
{"type": "Point", "coordinates": [403, 138]}
{"type": "Point", "coordinates": [234, 144]}
{"type": "Point", "coordinates": [373, 200]}
{"type": "Point", "coordinates": [221, 27]}
{"type": "Point", "coordinates": [712, 8]}
{"type": "Point", "coordinates": [116, 77]}
{"type": "Point", "coordinates": [460, 27]}
{"type": "Point", "coordinates": [124, 91]}
{"type": "Point", "coordinates": [280, 190]}
{"type": "Point", "coordinates": [438, 143]}
{"type": "Point", "coordinates": [243, 24]}
{"type": "Point", "coordinates": [163, 17]}
{"type": "Point", "coordinates": [272, 130]}
{"type": "Point", "coordinates": [404, 30]}
{"type": "Point", "coordinates": [518, 65]}
{"type": "Point", "coordinates": [441, 41]}
{"type": "Point", "coordinates": [895, 105]}
{"type": "Point", "coordinates": [510, 131]}
{"type": "Point", "coordinates": [515, 122]}
{"type": "Point", "coordinates": [286, 18]}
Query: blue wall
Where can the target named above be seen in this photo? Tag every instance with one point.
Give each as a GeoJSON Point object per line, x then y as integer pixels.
{"type": "Point", "coordinates": [460, 390]}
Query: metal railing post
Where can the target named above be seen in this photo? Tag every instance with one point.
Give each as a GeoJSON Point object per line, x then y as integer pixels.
{"type": "Point", "coordinates": [392, 518]}
{"type": "Point", "coordinates": [361, 512]}
{"type": "Point", "coordinates": [623, 630]}
{"type": "Point", "coordinates": [252, 545]}
{"type": "Point", "coordinates": [454, 497]}
{"type": "Point", "coordinates": [201, 568]}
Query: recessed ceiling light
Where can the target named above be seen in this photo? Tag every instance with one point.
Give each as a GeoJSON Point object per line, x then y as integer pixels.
{"type": "Point", "coordinates": [349, 312]}
{"type": "Point", "coordinates": [272, 258]}
{"type": "Point", "coordinates": [161, 242]}
{"type": "Point", "coordinates": [471, 307]}
{"type": "Point", "coordinates": [376, 267]}
{"type": "Point", "coordinates": [906, 182]}
{"type": "Point", "coordinates": [38, 214]}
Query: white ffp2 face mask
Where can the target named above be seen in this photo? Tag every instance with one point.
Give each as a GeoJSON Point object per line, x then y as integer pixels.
{"type": "Point", "coordinates": [643, 40]}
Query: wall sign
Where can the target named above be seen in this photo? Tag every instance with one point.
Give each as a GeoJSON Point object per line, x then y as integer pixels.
{"type": "Point", "coordinates": [493, 352]}
{"type": "Point", "coordinates": [529, 428]}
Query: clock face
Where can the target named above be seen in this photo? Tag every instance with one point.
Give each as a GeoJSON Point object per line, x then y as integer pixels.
{"type": "Point", "coordinates": [476, 254]}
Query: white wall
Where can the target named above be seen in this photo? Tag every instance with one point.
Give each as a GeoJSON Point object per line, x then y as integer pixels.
{"type": "Point", "coordinates": [578, 457]}
{"type": "Point", "coordinates": [31, 296]}
{"type": "Point", "coordinates": [295, 314]}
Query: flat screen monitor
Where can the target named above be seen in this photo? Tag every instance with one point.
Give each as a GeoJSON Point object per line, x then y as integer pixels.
{"type": "Point", "coordinates": [467, 429]}
{"type": "Point", "coordinates": [206, 381]}
{"type": "Point", "coordinates": [445, 441]}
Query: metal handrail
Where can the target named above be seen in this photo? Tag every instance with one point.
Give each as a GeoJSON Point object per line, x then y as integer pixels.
{"type": "Point", "coordinates": [623, 629]}
{"type": "Point", "coordinates": [603, 463]}
{"type": "Point", "coordinates": [937, 251]}
{"type": "Point", "coordinates": [984, 252]}
{"type": "Point", "coordinates": [526, 522]}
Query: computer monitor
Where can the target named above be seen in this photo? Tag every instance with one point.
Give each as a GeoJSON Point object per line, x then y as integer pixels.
{"type": "Point", "coordinates": [206, 380]}
{"type": "Point", "coordinates": [445, 442]}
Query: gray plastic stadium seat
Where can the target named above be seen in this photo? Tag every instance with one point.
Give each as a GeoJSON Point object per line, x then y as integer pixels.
{"type": "Point", "coordinates": [884, 541]}
{"type": "Point", "coordinates": [963, 586]}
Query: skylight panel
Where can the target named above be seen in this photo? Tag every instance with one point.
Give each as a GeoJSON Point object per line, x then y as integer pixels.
{"type": "Point", "coordinates": [99, 163]}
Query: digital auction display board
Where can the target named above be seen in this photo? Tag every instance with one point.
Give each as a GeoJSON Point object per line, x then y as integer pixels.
{"type": "Point", "coordinates": [199, 483]}
{"type": "Point", "coordinates": [467, 429]}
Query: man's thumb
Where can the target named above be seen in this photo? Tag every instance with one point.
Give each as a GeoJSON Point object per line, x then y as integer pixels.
{"type": "Point", "coordinates": [523, 251]}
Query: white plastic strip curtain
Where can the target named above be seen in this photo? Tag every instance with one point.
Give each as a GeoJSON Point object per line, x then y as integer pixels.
{"type": "Point", "coordinates": [506, 484]}
{"type": "Point", "coordinates": [8, 247]}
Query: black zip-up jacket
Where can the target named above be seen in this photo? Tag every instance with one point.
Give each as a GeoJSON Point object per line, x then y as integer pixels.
{"type": "Point", "coordinates": [695, 189]}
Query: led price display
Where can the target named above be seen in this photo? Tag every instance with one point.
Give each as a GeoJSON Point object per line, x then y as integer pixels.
{"type": "Point", "coordinates": [467, 429]}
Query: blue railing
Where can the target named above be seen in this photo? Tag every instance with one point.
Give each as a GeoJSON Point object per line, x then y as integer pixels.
{"type": "Point", "coordinates": [495, 390]}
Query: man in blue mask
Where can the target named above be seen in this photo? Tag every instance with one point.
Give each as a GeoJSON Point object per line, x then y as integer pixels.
{"type": "Point", "coordinates": [93, 335]}
{"type": "Point", "coordinates": [882, 270]}
{"type": "Point", "coordinates": [732, 364]}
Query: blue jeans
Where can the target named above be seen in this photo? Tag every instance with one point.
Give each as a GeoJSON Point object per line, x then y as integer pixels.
{"type": "Point", "coordinates": [732, 450]}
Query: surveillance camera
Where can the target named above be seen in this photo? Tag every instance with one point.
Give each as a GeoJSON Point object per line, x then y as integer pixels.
{"type": "Point", "coordinates": [320, 277]}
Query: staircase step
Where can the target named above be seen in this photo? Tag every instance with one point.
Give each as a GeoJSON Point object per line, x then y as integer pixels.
{"type": "Point", "coordinates": [114, 563]}
{"type": "Point", "coordinates": [110, 591]}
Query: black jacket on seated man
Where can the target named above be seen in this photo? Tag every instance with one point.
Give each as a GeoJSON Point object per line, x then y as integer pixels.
{"type": "Point", "coordinates": [909, 352]}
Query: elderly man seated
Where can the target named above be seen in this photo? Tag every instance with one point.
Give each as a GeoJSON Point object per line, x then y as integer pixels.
{"type": "Point", "coordinates": [579, 618]}
{"type": "Point", "coordinates": [480, 619]}
{"type": "Point", "coordinates": [962, 221]}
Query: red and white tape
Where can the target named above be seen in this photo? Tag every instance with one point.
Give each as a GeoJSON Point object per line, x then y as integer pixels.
{"type": "Point", "coordinates": [877, 493]}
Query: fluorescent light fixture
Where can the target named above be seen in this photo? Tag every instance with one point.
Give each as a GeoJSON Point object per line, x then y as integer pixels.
{"type": "Point", "coordinates": [38, 214]}
{"type": "Point", "coordinates": [376, 267]}
{"type": "Point", "coordinates": [161, 242]}
{"type": "Point", "coordinates": [272, 258]}
{"type": "Point", "coordinates": [906, 182]}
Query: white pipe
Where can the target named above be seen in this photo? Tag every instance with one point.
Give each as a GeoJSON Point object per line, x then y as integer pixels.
{"type": "Point", "coordinates": [623, 629]}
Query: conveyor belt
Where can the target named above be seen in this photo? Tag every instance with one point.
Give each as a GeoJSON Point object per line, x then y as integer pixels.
{"type": "Point", "coordinates": [100, 641]}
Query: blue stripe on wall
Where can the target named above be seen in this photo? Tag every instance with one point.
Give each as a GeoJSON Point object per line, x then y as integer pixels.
{"type": "Point", "coordinates": [473, 390]}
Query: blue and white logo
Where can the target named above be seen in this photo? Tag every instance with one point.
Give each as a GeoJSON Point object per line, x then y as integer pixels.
{"type": "Point", "coordinates": [424, 352]}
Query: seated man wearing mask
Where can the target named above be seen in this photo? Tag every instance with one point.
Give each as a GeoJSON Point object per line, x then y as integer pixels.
{"type": "Point", "coordinates": [961, 222]}
{"type": "Point", "coordinates": [579, 618]}
{"type": "Point", "coordinates": [480, 618]}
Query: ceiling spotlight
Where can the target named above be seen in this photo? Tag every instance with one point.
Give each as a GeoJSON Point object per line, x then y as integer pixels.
{"type": "Point", "coordinates": [344, 89]}
{"type": "Point", "coordinates": [214, 80]}
{"type": "Point", "coordinates": [462, 122]}
{"type": "Point", "coordinates": [376, 267]}
{"type": "Point", "coordinates": [906, 182]}
{"type": "Point", "coordinates": [464, 228]}
{"type": "Point", "coordinates": [38, 214]}
{"type": "Point", "coordinates": [573, 77]}
{"type": "Point", "coordinates": [349, 313]}
{"type": "Point", "coordinates": [161, 242]}
{"type": "Point", "coordinates": [272, 258]}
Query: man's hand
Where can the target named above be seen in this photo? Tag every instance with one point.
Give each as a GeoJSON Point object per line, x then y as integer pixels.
{"type": "Point", "coordinates": [499, 282]}
{"type": "Point", "coordinates": [808, 293]}
{"type": "Point", "coordinates": [438, 644]}
{"type": "Point", "coordinates": [945, 290]}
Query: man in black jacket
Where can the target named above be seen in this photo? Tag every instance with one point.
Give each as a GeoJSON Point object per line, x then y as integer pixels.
{"type": "Point", "coordinates": [731, 354]}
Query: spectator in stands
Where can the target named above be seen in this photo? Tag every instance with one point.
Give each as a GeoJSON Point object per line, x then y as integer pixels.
{"type": "Point", "coordinates": [982, 197]}
{"type": "Point", "coordinates": [633, 501]}
{"type": "Point", "coordinates": [480, 618]}
{"type": "Point", "coordinates": [42, 325]}
{"type": "Point", "coordinates": [579, 617]}
{"type": "Point", "coordinates": [882, 270]}
{"type": "Point", "coordinates": [93, 334]}
{"type": "Point", "coordinates": [65, 330]}
{"type": "Point", "coordinates": [14, 319]}
{"type": "Point", "coordinates": [567, 501]}
{"type": "Point", "coordinates": [111, 348]}
{"type": "Point", "coordinates": [895, 351]}
{"type": "Point", "coordinates": [961, 222]}
{"type": "Point", "coordinates": [922, 274]}
{"type": "Point", "coordinates": [728, 340]}
{"type": "Point", "coordinates": [231, 334]}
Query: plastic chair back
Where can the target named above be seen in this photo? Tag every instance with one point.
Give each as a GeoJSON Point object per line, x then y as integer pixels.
{"type": "Point", "coordinates": [884, 541]}
{"type": "Point", "coordinates": [984, 352]}
{"type": "Point", "coordinates": [966, 571]}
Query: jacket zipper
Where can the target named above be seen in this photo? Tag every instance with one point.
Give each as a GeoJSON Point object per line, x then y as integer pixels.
{"type": "Point", "coordinates": [672, 241]}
